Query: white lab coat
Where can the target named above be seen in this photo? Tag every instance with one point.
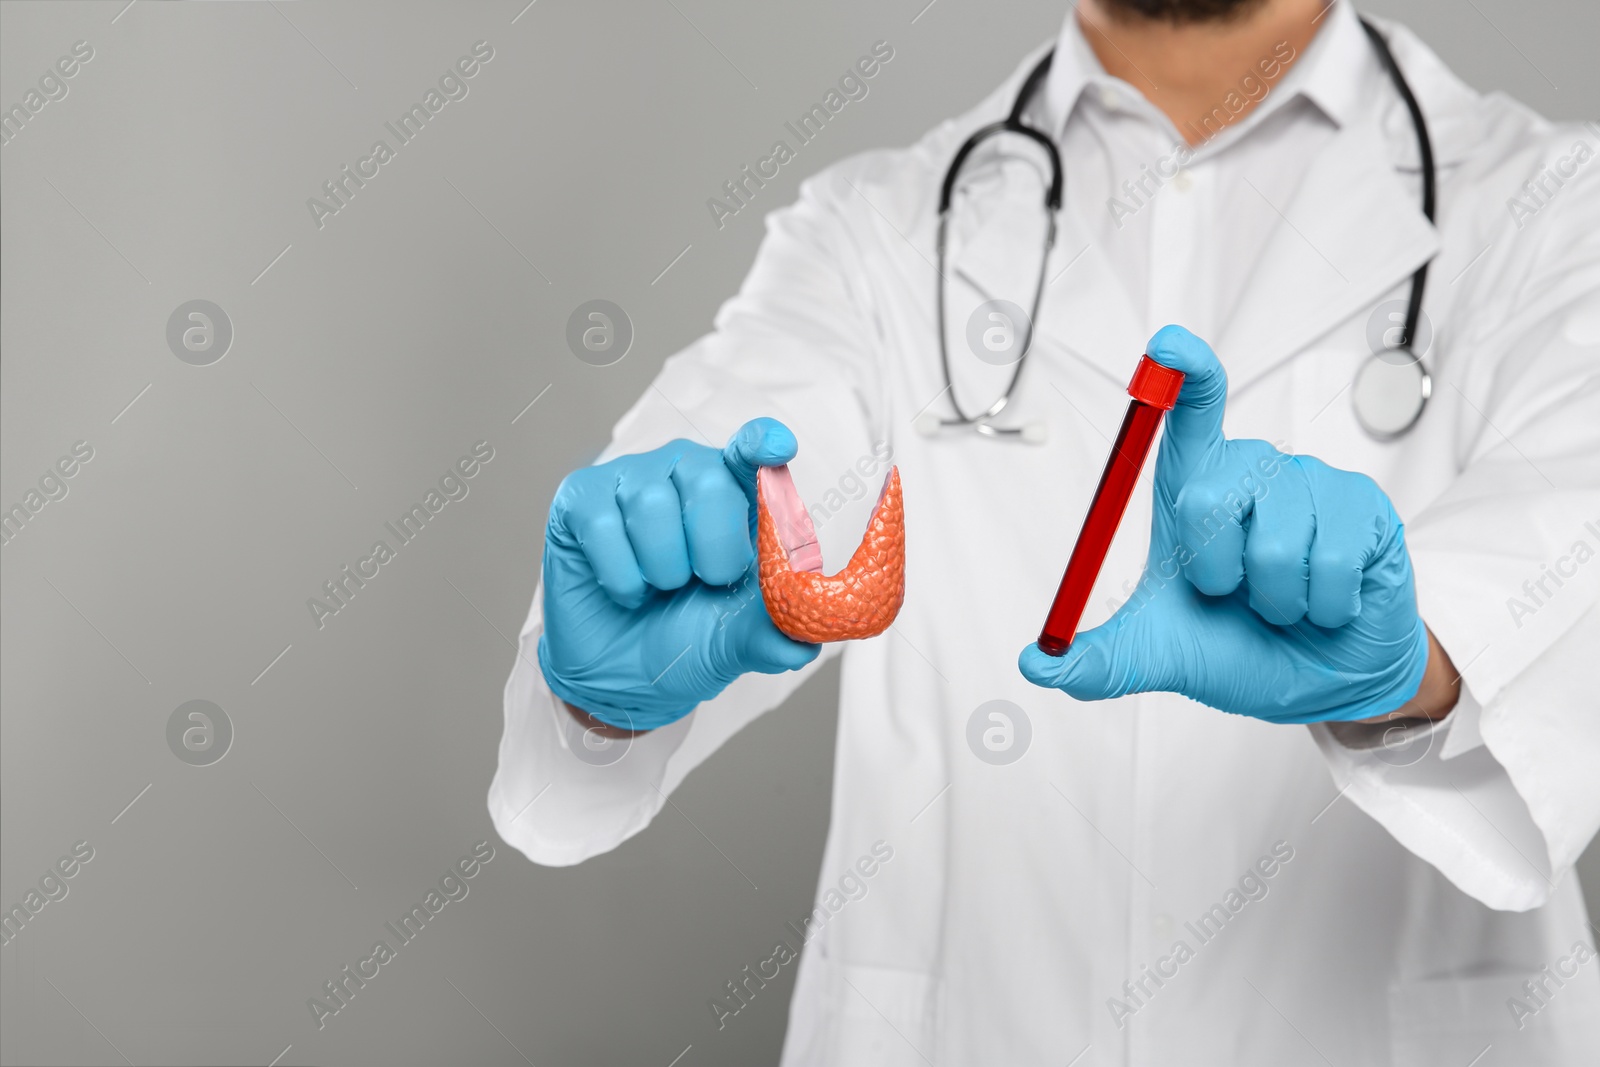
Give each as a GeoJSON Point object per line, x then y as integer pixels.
{"type": "Point", "coordinates": [1422, 889]}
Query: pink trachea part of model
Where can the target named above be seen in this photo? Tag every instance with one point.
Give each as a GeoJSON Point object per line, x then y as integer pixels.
{"type": "Point", "coordinates": [860, 601]}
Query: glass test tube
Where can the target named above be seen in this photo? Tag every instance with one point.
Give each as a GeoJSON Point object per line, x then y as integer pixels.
{"type": "Point", "coordinates": [1154, 389]}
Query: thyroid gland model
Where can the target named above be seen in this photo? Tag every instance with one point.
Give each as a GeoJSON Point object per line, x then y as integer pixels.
{"type": "Point", "coordinates": [860, 601]}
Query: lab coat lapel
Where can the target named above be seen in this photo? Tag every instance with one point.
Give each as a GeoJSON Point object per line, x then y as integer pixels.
{"type": "Point", "coordinates": [1352, 232]}
{"type": "Point", "coordinates": [1088, 315]}
{"type": "Point", "coordinates": [1085, 313]}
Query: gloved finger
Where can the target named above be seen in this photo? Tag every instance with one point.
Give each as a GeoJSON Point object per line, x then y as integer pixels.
{"type": "Point", "coordinates": [1107, 661]}
{"type": "Point", "coordinates": [1194, 427]}
{"type": "Point", "coordinates": [1337, 558]}
{"type": "Point", "coordinates": [763, 442]}
{"type": "Point", "coordinates": [1277, 550]}
{"type": "Point", "coordinates": [595, 523]}
{"type": "Point", "coordinates": [1352, 524]}
{"type": "Point", "coordinates": [653, 517]}
{"type": "Point", "coordinates": [1211, 511]}
{"type": "Point", "coordinates": [765, 649]}
{"type": "Point", "coordinates": [716, 517]}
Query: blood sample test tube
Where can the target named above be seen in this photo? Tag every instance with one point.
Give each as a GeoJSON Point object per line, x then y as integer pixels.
{"type": "Point", "coordinates": [1154, 389]}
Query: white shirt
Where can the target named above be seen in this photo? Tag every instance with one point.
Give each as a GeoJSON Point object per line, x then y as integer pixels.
{"type": "Point", "coordinates": [1139, 187]}
{"type": "Point", "coordinates": [1412, 891]}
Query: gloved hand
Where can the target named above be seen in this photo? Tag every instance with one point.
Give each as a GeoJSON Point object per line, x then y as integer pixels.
{"type": "Point", "coordinates": [1276, 586]}
{"type": "Point", "coordinates": [651, 603]}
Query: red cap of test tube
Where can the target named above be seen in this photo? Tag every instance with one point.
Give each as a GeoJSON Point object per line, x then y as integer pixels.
{"type": "Point", "coordinates": [1155, 385]}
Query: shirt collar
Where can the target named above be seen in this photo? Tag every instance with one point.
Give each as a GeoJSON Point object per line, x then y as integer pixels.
{"type": "Point", "coordinates": [1336, 66]}
{"type": "Point", "coordinates": [1329, 74]}
{"type": "Point", "coordinates": [1073, 69]}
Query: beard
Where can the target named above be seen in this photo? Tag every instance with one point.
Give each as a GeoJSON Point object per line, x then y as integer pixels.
{"type": "Point", "coordinates": [1179, 11]}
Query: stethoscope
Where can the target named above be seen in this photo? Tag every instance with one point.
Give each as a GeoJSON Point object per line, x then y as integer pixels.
{"type": "Point", "coordinates": [1389, 390]}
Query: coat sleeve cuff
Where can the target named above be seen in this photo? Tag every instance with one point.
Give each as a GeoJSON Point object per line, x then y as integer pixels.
{"type": "Point", "coordinates": [562, 794]}
{"type": "Point", "coordinates": [1456, 734]}
{"type": "Point", "coordinates": [1504, 808]}
{"type": "Point", "coordinates": [1462, 815]}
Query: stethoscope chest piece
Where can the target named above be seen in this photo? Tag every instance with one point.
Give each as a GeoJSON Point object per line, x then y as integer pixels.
{"type": "Point", "coordinates": [1390, 391]}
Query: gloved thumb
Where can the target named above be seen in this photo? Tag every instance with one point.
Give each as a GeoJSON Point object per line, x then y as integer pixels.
{"type": "Point", "coordinates": [1194, 426]}
{"type": "Point", "coordinates": [1100, 664]}
{"type": "Point", "coordinates": [762, 442]}
{"type": "Point", "coordinates": [762, 647]}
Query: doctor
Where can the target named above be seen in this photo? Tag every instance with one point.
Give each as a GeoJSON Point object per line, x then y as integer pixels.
{"type": "Point", "coordinates": [1310, 787]}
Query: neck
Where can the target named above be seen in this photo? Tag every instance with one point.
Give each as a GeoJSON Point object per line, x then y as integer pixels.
{"type": "Point", "coordinates": [1203, 75]}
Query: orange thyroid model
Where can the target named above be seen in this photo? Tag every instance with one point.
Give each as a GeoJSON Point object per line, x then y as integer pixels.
{"type": "Point", "coordinates": [860, 601]}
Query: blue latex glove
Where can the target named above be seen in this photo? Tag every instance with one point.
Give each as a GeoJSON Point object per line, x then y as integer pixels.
{"type": "Point", "coordinates": [1276, 586]}
{"type": "Point", "coordinates": [651, 603]}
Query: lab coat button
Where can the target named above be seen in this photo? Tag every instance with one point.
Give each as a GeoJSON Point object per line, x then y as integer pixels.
{"type": "Point", "coordinates": [1182, 182]}
{"type": "Point", "coordinates": [1108, 98]}
{"type": "Point", "coordinates": [1163, 927]}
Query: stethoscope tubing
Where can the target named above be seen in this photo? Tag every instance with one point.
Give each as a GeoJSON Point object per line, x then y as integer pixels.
{"type": "Point", "coordinates": [1013, 124]}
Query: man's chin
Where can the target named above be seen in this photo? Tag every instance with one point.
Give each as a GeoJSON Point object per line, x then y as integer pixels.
{"type": "Point", "coordinates": [1180, 11]}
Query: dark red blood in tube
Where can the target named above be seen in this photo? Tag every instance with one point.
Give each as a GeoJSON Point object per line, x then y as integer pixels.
{"type": "Point", "coordinates": [1154, 390]}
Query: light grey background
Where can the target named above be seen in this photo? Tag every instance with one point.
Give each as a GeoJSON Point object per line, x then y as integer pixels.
{"type": "Point", "coordinates": [373, 353]}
